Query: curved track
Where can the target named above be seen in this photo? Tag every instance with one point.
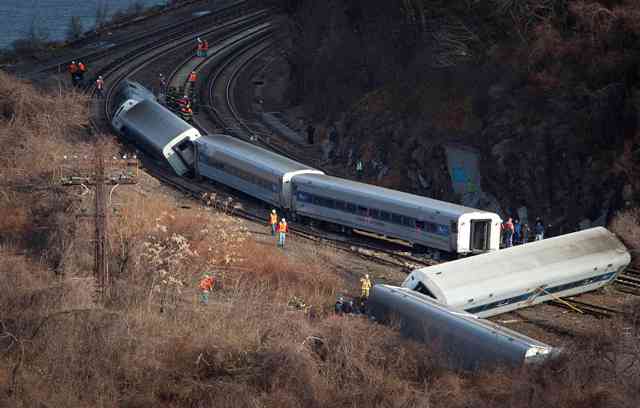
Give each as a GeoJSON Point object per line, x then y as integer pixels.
{"type": "Point", "coordinates": [247, 39]}
{"type": "Point", "coordinates": [241, 39]}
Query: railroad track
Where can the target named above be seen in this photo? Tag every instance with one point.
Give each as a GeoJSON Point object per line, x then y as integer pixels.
{"type": "Point", "coordinates": [225, 67]}
{"type": "Point", "coordinates": [629, 282]}
{"type": "Point", "coordinates": [163, 34]}
{"type": "Point", "coordinates": [585, 307]}
{"type": "Point", "coordinates": [128, 65]}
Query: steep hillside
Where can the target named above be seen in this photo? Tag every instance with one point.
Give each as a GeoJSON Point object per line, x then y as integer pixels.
{"type": "Point", "coordinates": [545, 91]}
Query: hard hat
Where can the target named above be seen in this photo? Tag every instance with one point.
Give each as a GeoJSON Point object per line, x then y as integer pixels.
{"type": "Point", "coordinates": [366, 276]}
{"type": "Point", "coordinates": [99, 76]}
{"type": "Point", "coordinates": [73, 62]}
{"type": "Point", "coordinates": [283, 220]}
{"type": "Point", "coordinates": [273, 211]}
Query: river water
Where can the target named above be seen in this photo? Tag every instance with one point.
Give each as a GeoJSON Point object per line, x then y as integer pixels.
{"type": "Point", "coordinates": [51, 18]}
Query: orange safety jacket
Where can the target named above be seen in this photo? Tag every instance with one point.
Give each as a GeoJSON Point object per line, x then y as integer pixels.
{"type": "Point", "coordinates": [99, 83]}
{"type": "Point", "coordinates": [82, 67]}
{"type": "Point", "coordinates": [283, 227]}
{"type": "Point", "coordinates": [206, 283]}
{"type": "Point", "coordinates": [205, 45]}
{"type": "Point", "coordinates": [273, 218]}
{"type": "Point", "coordinates": [73, 68]}
{"type": "Point", "coordinates": [193, 77]}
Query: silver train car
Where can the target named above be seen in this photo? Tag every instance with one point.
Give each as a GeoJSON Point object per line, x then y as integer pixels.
{"type": "Point", "coordinates": [524, 275]}
{"type": "Point", "coordinates": [156, 130]}
{"type": "Point", "coordinates": [129, 93]}
{"type": "Point", "coordinates": [253, 170]}
{"type": "Point", "coordinates": [296, 188]}
{"type": "Point", "coordinates": [462, 339]}
{"type": "Point", "coordinates": [416, 219]}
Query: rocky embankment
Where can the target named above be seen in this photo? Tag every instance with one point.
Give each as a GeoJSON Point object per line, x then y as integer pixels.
{"type": "Point", "coordinates": [551, 117]}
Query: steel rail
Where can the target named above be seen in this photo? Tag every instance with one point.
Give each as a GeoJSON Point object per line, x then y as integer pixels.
{"type": "Point", "coordinates": [159, 35]}
{"type": "Point", "coordinates": [121, 70]}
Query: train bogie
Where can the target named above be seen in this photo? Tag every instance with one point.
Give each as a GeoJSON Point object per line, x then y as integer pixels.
{"type": "Point", "coordinates": [525, 275]}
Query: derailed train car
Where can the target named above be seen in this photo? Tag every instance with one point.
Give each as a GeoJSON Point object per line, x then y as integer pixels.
{"type": "Point", "coordinates": [416, 219]}
{"type": "Point", "coordinates": [154, 128]}
{"type": "Point", "coordinates": [462, 339]}
{"type": "Point", "coordinates": [253, 170]}
{"type": "Point", "coordinates": [524, 275]}
{"type": "Point", "coordinates": [296, 188]}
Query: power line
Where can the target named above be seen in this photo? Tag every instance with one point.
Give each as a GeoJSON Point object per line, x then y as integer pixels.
{"type": "Point", "coordinates": [99, 172]}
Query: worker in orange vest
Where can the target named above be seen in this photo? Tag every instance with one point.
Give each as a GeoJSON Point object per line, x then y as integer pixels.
{"type": "Point", "coordinates": [82, 69]}
{"type": "Point", "coordinates": [199, 47]}
{"type": "Point", "coordinates": [73, 71]}
{"type": "Point", "coordinates": [193, 77]}
{"type": "Point", "coordinates": [99, 86]}
{"type": "Point", "coordinates": [206, 285]}
{"type": "Point", "coordinates": [283, 228]}
{"type": "Point", "coordinates": [205, 47]}
{"type": "Point", "coordinates": [273, 221]}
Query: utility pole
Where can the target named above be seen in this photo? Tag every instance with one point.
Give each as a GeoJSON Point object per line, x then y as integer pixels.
{"type": "Point", "coordinates": [99, 173]}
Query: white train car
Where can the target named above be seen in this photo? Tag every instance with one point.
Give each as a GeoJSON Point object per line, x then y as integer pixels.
{"type": "Point", "coordinates": [462, 339]}
{"type": "Point", "coordinates": [524, 275]}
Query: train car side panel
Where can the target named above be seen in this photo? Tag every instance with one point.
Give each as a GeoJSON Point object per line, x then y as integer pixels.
{"type": "Point", "coordinates": [465, 340]}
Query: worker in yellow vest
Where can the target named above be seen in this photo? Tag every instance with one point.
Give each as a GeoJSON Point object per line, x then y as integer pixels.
{"type": "Point", "coordinates": [273, 221]}
{"type": "Point", "coordinates": [283, 228]}
{"type": "Point", "coordinates": [365, 286]}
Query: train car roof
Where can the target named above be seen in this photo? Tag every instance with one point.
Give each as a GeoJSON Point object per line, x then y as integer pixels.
{"type": "Point", "coordinates": [158, 124]}
{"type": "Point", "coordinates": [129, 89]}
{"type": "Point", "coordinates": [522, 268]}
{"type": "Point", "coordinates": [248, 152]}
{"type": "Point", "coordinates": [370, 191]}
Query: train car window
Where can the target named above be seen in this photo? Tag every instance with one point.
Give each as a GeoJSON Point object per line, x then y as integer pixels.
{"type": "Point", "coordinates": [396, 219]}
{"type": "Point", "coordinates": [327, 202]}
{"type": "Point", "coordinates": [408, 222]}
{"type": "Point", "coordinates": [304, 197]}
{"type": "Point", "coordinates": [363, 210]}
{"type": "Point", "coordinates": [421, 225]}
{"type": "Point", "coordinates": [454, 227]}
{"type": "Point", "coordinates": [374, 213]}
{"type": "Point", "coordinates": [340, 205]}
{"type": "Point", "coordinates": [441, 229]}
{"type": "Point", "coordinates": [351, 208]}
{"type": "Point", "coordinates": [420, 287]}
{"type": "Point", "coordinates": [385, 216]}
{"type": "Point", "coordinates": [316, 200]}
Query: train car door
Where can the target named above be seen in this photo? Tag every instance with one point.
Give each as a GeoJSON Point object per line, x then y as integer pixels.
{"type": "Point", "coordinates": [285, 194]}
{"type": "Point", "coordinates": [453, 236]}
{"type": "Point", "coordinates": [480, 235]}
